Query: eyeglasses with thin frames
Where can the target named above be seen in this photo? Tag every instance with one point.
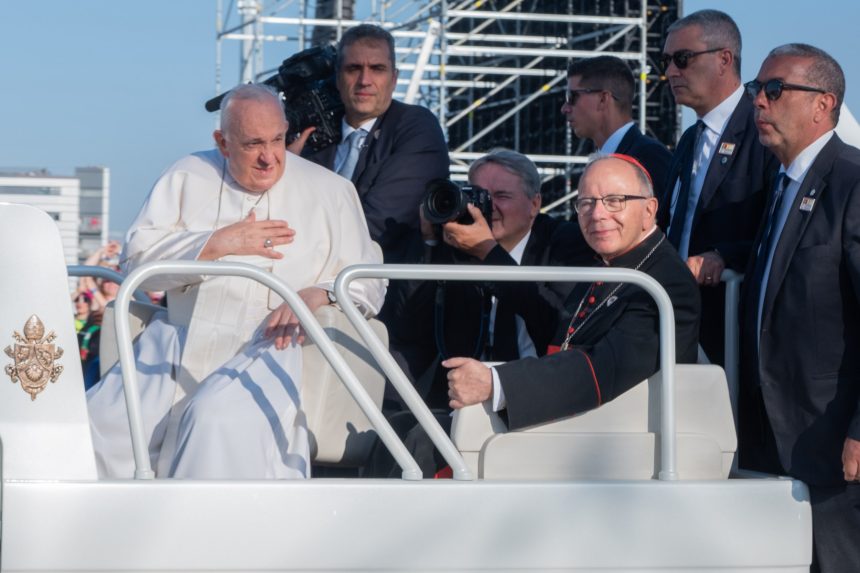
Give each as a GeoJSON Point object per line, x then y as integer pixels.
{"type": "Point", "coordinates": [682, 58]}
{"type": "Point", "coordinates": [572, 96]}
{"type": "Point", "coordinates": [612, 203]}
{"type": "Point", "coordinates": [773, 88]}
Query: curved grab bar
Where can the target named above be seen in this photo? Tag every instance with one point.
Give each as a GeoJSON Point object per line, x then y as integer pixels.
{"type": "Point", "coordinates": [668, 466]}
{"type": "Point", "coordinates": [143, 469]}
{"type": "Point", "coordinates": [104, 273]}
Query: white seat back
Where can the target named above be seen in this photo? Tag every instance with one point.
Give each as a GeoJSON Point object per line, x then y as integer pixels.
{"type": "Point", "coordinates": [616, 441]}
{"type": "Point", "coordinates": [46, 435]}
{"type": "Point", "coordinates": [339, 431]}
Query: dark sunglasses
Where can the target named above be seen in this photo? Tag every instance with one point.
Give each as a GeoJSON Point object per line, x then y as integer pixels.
{"type": "Point", "coordinates": [773, 89]}
{"type": "Point", "coordinates": [572, 96]}
{"type": "Point", "coordinates": [682, 58]}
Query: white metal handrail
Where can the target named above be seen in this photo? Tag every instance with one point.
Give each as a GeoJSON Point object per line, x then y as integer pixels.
{"type": "Point", "coordinates": [105, 274]}
{"type": "Point", "coordinates": [668, 456]}
{"type": "Point", "coordinates": [732, 354]}
{"type": "Point", "coordinates": [143, 468]}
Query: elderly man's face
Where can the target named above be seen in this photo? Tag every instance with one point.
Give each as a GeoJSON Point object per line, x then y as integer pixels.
{"type": "Point", "coordinates": [366, 80]}
{"type": "Point", "coordinates": [611, 234]}
{"type": "Point", "coordinates": [788, 124]}
{"type": "Point", "coordinates": [254, 143]}
{"type": "Point", "coordinates": [582, 108]}
{"type": "Point", "coordinates": [695, 86]}
{"type": "Point", "coordinates": [513, 210]}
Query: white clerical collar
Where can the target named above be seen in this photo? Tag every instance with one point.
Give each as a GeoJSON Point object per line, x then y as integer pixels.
{"type": "Point", "coordinates": [517, 252]}
{"type": "Point", "coordinates": [717, 118]}
{"type": "Point", "coordinates": [613, 141]}
{"type": "Point", "coordinates": [801, 164]}
{"type": "Point", "coordinates": [346, 129]}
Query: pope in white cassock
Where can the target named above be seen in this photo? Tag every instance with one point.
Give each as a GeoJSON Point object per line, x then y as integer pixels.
{"type": "Point", "coordinates": [220, 370]}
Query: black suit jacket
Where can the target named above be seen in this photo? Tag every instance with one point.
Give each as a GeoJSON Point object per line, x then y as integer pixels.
{"type": "Point", "coordinates": [405, 150]}
{"type": "Point", "coordinates": [457, 326]}
{"type": "Point", "coordinates": [733, 194]}
{"type": "Point", "coordinates": [652, 154]}
{"type": "Point", "coordinates": [807, 365]}
{"type": "Point", "coordinates": [729, 211]}
{"type": "Point", "coordinates": [612, 352]}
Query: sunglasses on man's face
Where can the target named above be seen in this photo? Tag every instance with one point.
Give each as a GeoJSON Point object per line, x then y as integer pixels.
{"type": "Point", "coordinates": [682, 58]}
{"type": "Point", "coordinates": [773, 88]}
{"type": "Point", "coordinates": [572, 96]}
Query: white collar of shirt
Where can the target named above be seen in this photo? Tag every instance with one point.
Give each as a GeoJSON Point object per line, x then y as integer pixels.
{"type": "Point", "coordinates": [613, 141]}
{"type": "Point", "coordinates": [717, 118]}
{"type": "Point", "coordinates": [517, 252]}
{"type": "Point", "coordinates": [801, 164]}
{"type": "Point", "coordinates": [346, 129]}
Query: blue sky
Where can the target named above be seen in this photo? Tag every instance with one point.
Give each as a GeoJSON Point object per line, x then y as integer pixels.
{"type": "Point", "coordinates": [122, 84]}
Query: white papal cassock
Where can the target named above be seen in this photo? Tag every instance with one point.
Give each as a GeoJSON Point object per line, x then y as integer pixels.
{"type": "Point", "coordinates": [219, 400]}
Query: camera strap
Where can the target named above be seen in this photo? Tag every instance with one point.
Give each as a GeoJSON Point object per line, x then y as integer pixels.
{"type": "Point", "coordinates": [482, 342]}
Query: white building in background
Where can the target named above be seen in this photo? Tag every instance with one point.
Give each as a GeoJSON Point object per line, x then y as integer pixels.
{"type": "Point", "coordinates": [78, 204]}
{"type": "Point", "coordinates": [94, 208]}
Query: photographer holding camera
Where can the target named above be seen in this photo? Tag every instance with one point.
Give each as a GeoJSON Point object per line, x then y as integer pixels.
{"type": "Point", "coordinates": [496, 221]}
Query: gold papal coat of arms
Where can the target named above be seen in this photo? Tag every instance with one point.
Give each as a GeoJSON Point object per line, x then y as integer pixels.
{"type": "Point", "coordinates": [34, 355]}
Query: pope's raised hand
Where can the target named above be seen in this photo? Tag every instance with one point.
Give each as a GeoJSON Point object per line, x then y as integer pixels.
{"type": "Point", "coordinates": [248, 237]}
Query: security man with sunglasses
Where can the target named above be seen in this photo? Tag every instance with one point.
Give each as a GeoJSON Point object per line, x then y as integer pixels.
{"type": "Point", "coordinates": [599, 106]}
{"type": "Point", "coordinates": [715, 196]}
{"type": "Point", "coordinates": [800, 314]}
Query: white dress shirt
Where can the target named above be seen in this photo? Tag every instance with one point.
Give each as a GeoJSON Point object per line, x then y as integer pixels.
{"type": "Point", "coordinates": [525, 345]}
{"type": "Point", "coordinates": [344, 145]}
{"type": "Point", "coordinates": [613, 141]}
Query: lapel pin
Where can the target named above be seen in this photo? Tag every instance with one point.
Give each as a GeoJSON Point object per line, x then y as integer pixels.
{"type": "Point", "coordinates": [812, 193]}
{"type": "Point", "coordinates": [726, 149]}
{"type": "Point", "coordinates": [807, 203]}
{"type": "Point", "coordinates": [610, 300]}
{"type": "Point", "coordinates": [724, 159]}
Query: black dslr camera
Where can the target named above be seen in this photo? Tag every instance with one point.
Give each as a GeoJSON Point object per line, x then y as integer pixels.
{"type": "Point", "coordinates": [307, 80]}
{"type": "Point", "coordinates": [445, 201]}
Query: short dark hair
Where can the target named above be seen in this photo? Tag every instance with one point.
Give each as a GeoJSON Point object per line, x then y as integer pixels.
{"type": "Point", "coordinates": [825, 72]}
{"type": "Point", "coordinates": [606, 73]}
{"type": "Point", "coordinates": [718, 31]}
{"type": "Point", "coordinates": [365, 32]}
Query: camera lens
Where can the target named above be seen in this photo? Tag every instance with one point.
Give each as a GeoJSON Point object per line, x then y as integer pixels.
{"type": "Point", "coordinates": [444, 202]}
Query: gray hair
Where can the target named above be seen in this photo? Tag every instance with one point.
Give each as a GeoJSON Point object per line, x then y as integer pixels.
{"type": "Point", "coordinates": [365, 32]}
{"type": "Point", "coordinates": [246, 92]}
{"type": "Point", "coordinates": [824, 72]}
{"type": "Point", "coordinates": [515, 163]}
{"type": "Point", "coordinates": [718, 31]}
{"type": "Point", "coordinates": [646, 187]}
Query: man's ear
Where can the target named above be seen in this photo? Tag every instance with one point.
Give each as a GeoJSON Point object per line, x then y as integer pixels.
{"type": "Point", "coordinates": [536, 203]}
{"type": "Point", "coordinates": [651, 204]}
{"type": "Point", "coordinates": [218, 136]}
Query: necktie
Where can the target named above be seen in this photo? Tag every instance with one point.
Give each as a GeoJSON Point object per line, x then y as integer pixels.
{"type": "Point", "coordinates": [767, 236]}
{"type": "Point", "coordinates": [766, 243]}
{"type": "Point", "coordinates": [354, 141]}
{"type": "Point", "coordinates": [676, 228]}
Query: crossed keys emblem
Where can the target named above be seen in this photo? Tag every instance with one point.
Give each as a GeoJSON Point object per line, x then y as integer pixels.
{"type": "Point", "coordinates": [34, 355]}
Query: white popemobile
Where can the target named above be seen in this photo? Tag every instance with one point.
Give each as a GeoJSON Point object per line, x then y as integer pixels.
{"type": "Point", "coordinates": [640, 484]}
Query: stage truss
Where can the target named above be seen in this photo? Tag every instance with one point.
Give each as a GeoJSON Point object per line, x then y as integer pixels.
{"type": "Point", "coordinates": [492, 72]}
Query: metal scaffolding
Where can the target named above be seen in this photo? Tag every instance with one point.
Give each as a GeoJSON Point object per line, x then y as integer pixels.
{"type": "Point", "coordinates": [492, 71]}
